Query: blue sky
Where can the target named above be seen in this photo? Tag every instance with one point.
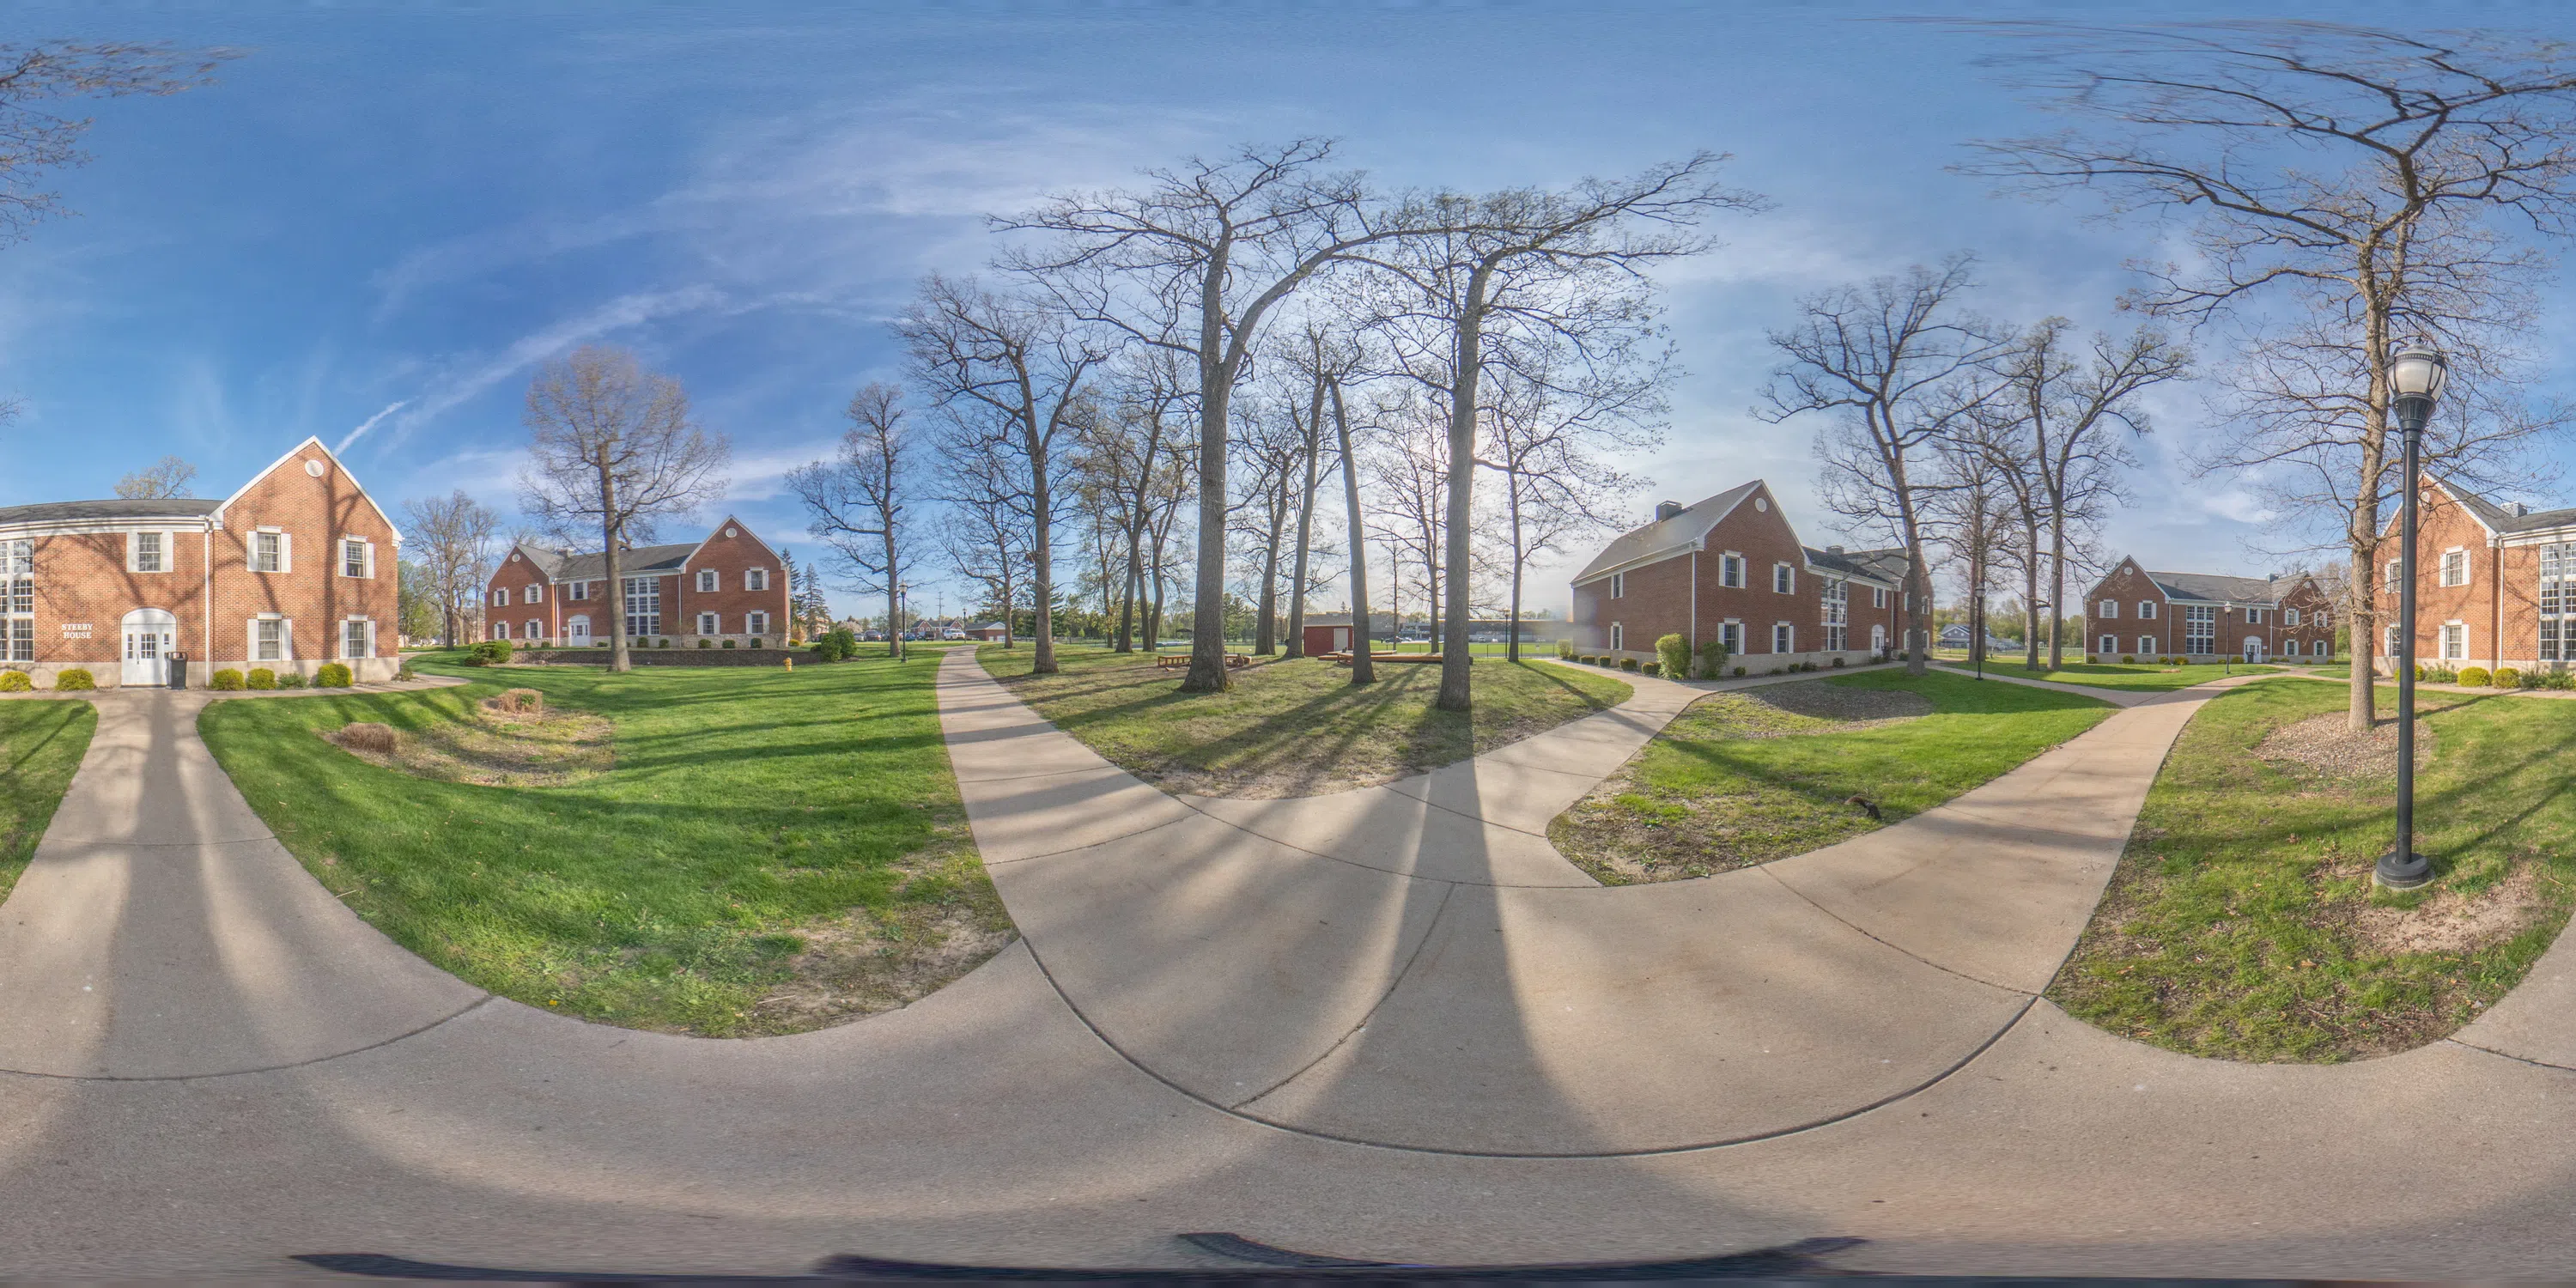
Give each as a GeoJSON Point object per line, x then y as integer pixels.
{"type": "Point", "coordinates": [385, 215]}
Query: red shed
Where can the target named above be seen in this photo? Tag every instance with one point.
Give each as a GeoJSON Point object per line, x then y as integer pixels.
{"type": "Point", "coordinates": [1326, 635]}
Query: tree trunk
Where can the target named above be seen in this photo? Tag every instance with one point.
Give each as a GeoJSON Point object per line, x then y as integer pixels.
{"type": "Point", "coordinates": [1265, 632]}
{"type": "Point", "coordinates": [1041, 547]}
{"type": "Point", "coordinates": [2057, 591]}
{"type": "Point", "coordinates": [609, 531]}
{"type": "Point", "coordinates": [1363, 668]}
{"type": "Point", "coordinates": [1207, 672]}
{"type": "Point", "coordinates": [2030, 598]}
{"type": "Point", "coordinates": [2361, 710]}
{"type": "Point", "coordinates": [894, 599]}
{"type": "Point", "coordinates": [1512, 619]}
{"type": "Point", "coordinates": [1128, 588]}
{"type": "Point", "coordinates": [1305, 529]}
{"type": "Point", "coordinates": [1455, 683]}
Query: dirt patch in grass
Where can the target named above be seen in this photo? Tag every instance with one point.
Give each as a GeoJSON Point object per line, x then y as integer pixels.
{"type": "Point", "coordinates": [866, 962]}
{"type": "Point", "coordinates": [1840, 706]}
{"type": "Point", "coordinates": [2326, 745]}
{"type": "Point", "coordinates": [505, 742]}
{"type": "Point", "coordinates": [2447, 920]}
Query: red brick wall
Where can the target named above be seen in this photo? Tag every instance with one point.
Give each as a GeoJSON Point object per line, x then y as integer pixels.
{"type": "Point", "coordinates": [2442, 525]}
{"type": "Point", "coordinates": [1657, 598]}
{"type": "Point", "coordinates": [2130, 586]}
{"type": "Point", "coordinates": [317, 512]}
{"type": "Point", "coordinates": [731, 552]}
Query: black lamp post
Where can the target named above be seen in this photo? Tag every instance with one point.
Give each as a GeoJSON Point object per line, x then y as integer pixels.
{"type": "Point", "coordinates": [2415, 375]}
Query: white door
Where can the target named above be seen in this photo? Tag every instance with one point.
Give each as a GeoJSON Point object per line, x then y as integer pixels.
{"type": "Point", "coordinates": [1341, 639]}
{"type": "Point", "coordinates": [2253, 648]}
{"type": "Point", "coordinates": [150, 633]}
{"type": "Point", "coordinates": [578, 629]}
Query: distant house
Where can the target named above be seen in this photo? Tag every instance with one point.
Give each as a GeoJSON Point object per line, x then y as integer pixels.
{"type": "Point", "coordinates": [1955, 635]}
{"type": "Point", "coordinates": [1731, 569]}
{"type": "Point", "coordinates": [991, 632]}
{"type": "Point", "coordinates": [726, 587]}
{"type": "Point", "coordinates": [2132, 612]}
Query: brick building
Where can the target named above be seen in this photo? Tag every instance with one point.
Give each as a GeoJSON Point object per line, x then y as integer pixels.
{"type": "Point", "coordinates": [2132, 612]}
{"type": "Point", "coordinates": [2495, 586]}
{"type": "Point", "coordinates": [729, 587]}
{"type": "Point", "coordinates": [296, 569]}
{"type": "Point", "coordinates": [1730, 568]}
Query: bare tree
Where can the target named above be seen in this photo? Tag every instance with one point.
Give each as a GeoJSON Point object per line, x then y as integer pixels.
{"type": "Point", "coordinates": [1535, 268]}
{"type": "Point", "coordinates": [1893, 364]}
{"type": "Point", "coordinates": [859, 500]}
{"type": "Point", "coordinates": [2345, 190]}
{"type": "Point", "coordinates": [1363, 669]}
{"type": "Point", "coordinates": [451, 539]}
{"type": "Point", "coordinates": [1973, 511]}
{"type": "Point", "coordinates": [1552, 440]}
{"type": "Point", "coordinates": [985, 528]}
{"type": "Point", "coordinates": [2074, 414]}
{"type": "Point", "coordinates": [997, 359]}
{"type": "Point", "coordinates": [167, 477]}
{"type": "Point", "coordinates": [36, 139]}
{"type": "Point", "coordinates": [1193, 264]}
{"type": "Point", "coordinates": [612, 446]}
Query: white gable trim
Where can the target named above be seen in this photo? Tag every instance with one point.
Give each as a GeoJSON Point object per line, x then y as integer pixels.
{"type": "Point", "coordinates": [217, 518]}
{"type": "Point", "coordinates": [1697, 540]}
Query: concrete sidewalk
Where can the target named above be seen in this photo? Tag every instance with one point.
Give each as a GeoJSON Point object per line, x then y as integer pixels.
{"type": "Point", "coordinates": [1208, 1015]}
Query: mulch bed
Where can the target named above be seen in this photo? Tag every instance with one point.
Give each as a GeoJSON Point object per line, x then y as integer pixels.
{"type": "Point", "coordinates": [2327, 745]}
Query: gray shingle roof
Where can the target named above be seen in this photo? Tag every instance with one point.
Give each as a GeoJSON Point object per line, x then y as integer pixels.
{"type": "Point", "coordinates": [1675, 533]}
{"type": "Point", "coordinates": [1886, 566]}
{"type": "Point", "coordinates": [2221, 589]}
{"type": "Point", "coordinates": [2504, 520]}
{"type": "Point", "coordinates": [564, 565]}
{"type": "Point", "coordinates": [179, 507]}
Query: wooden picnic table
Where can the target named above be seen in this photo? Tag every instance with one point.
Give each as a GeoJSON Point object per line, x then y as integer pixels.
{"type": "Point", "coordinates": [1169, 661]}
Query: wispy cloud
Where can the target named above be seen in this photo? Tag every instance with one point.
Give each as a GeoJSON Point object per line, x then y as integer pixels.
{"type": "Point", "coordinates": [370, 423]}
{"type": "Point", "coordinates": [527, 351]}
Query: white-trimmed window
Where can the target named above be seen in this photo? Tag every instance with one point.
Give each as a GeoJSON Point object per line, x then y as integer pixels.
{"type": "Point", "coordinates": [535, 594]}
{"type": "Point", "coordinates": [708, 581]}
{"type": "Point", "coordinates": [2455, 567]}
{"type": "Point", "coordinates": [2395, 580]}
{"type": "Point", "coordinates": [1878, 596]}
{"type": "Point", "coordinates": [2110, 608]}
{"type": "Point", "coordinates": [2254, 616]}
{"type": "Point", "coordinates": [710, 624]}
{"type": "Point", "coordinates": [357, 557]}
{"type": "Point", "coordinates": [1618, 637]}
{"type": "Point", "coordinates": [147, 552]}
{"type": "Point", "coordinates": [1837, 614]}
{"type": "Point", "coordinates": [272, 638]}
{"type": "Point", "coordinates": [1618, 584]}
{"type": "Point", "coordinates": [357, 638]}
{"type": "Point", "coordinates": [2146, 610]}
{"type": "Point", "coordinates": [2147, 644]}
{"type": "Point", "coordinates": [500, 630]}
{"type": "Point", "coordinates": [2323, 620]}
{"type": "Point", "coordinates": [1784, 581]}
{"type": "Point", "coordinates": [2455, 641]}
{"type": "Point", "coordinates": [2289, 617]}
{"type": "Point", "coordinates": [2110, 645]}
{"type": "Point", "coordinates": [500, 599]}
{"type": "Point", "coordinates": [1730, 570]}
{"type": "Point", "coordinates": [2321, 649]}
{"type": "Point", "coordinates": [272, 550]}
{"type": "Point", "coordinates": [1731, 634]}
{"type": "Point", "coordinates": [2388, 642]}
{"type": "Point", "coordinates": [536, 629]}
{"type": "Point", "coordinates": [643, 606]}
{"type": "Point", "coordinates": [755, 579]}
{"type": "Point", "coordinates": [577, 590]}
{"type": "Point", "coordinates": [755, 624]}
{"type": "Point", "coordinates": [18, 600]}
{"type": "Point", "coordinates": [1784, 637]}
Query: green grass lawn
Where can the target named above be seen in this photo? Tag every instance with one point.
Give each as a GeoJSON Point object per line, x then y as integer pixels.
{"type": "Point", "coordinates": [769, 851]}
{"type": "Point", "coordinates": [2141, 677]}
{"type": "Point", "coordinates": [1292, 728]}
{"type": "Point", "coordinates": [41, 743]}
{"type": "Point", "coordinates": [2242, 922]}
{"type": "Point", "coordinates": [1738, 780]}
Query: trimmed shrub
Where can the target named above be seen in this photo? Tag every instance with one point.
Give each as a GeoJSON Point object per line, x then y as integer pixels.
{"type": "Point", "coordinates": [75, 680]}
{"type": "Point", "coordinates": [2558, 680]}
{"type": "Point", "coordinates": [2475, 677]}
{"type": "Point", "coordinates": [227, 679]}
{"type": "Point", "coordinates": [706, 643]}
{"type": "Point", "coordinates": [334, 675]}
{"type": "Point", "coordinates": [1672, 653]}
{"type": "Point", "coordinates": [261, 677]}
{"type": "Point", "coordinates": [488, 653]}
{"type": "Point", "coordinates": [2128, 660]}
{"type": "Point", "coordinates": [291, 680]}
{"type": "Point", "coordinates": [1627, 664]}
{"type": "Point", "coordinates": [1838, 662]}
{"type": "Point", "coordinates": [1564, 650]}
{"type": "Point", "coordinates": [661, 643]}
{"type": "Point", "coordinates": [1739, 670]}
{"type": "Point", "coordinates": [15, 682]}
{"type": "Point", "coordinates": [753, 642]}
{"type": "Point", "coordinates": [404, 672]}
{"type": "Point", "coordinates": [1652, 668]}
{"type": "Point", "coordinates": [1712, 660]}
{"type": "Point", "coordinates": [727, 643]}
{"type": "Point", "coordinates": [2508, 677]}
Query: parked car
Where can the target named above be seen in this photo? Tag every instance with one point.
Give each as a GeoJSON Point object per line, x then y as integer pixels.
{"type": "Point", "coordinates": [954, 635]}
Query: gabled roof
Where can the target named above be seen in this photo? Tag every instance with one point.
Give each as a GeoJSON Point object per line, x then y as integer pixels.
{"type": "Point", "coordinates": [1666, 536]}
{"type": "Point", "coordinates": [635, 561]}
{"type": "Point", "coordinates": [1884, 567]}
{"type": "Point", "coordinates": [2497, 519]}
{"type": "Point", "coordinates": [328, 455]}
{"type": "Point", "coordinates": [2218, 588]}
{"type": "Point", "coordinates": [116, 508]}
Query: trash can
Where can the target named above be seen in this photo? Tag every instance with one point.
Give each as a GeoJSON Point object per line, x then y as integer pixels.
{"type": "Point", "coordinates": [178, 670]}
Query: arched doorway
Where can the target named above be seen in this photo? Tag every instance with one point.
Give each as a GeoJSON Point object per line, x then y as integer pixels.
{"type": "Point", "coordinates": [2254, 648]}
{"type": "Point", "coordinates": [150, 634]}
{"type": "Point", "coordinates": [577, 630]}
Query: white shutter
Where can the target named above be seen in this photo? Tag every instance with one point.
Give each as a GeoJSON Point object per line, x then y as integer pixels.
{"type": "Point", "coordinates": [371, 622]}
{"type": "Point", "coordinates": [371, 559]}
{"type": "Point", "coordinates": [286, 639]}
{"type": "Point", "coordinates": [286, 552]}
{"type": "Point", "coordinates": [129, 551]}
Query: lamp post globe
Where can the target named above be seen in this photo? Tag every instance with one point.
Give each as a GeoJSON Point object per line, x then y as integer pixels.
{"type": "Point", "coordinates": [2416, 373]}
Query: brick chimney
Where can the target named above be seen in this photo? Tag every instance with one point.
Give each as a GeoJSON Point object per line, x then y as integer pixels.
{"type": "Point", "coordinates": [1666, 509]}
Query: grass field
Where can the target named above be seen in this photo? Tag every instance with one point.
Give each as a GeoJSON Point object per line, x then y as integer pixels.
{"type": "Point", "coordinates": [766, 851]}
{"type": "Point", "coordinates": [2142, 677]}
{"type": "Point", "coordinates": [2242, 922]}
{"type": "Point", "coordinates": [41, 744]}
{"type": "Point", "coordinates": [1292, 728]}
{"type": "Point", "coordinates": [1743, 778]}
